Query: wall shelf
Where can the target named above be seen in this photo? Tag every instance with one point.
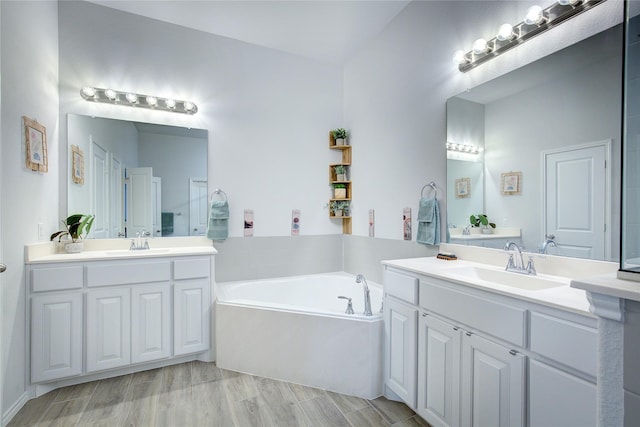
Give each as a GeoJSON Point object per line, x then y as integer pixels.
{"type": "Point", "coordinates": [333, 179]}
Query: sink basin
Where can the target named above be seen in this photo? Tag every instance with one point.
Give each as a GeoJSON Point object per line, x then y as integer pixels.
{"type": "Point", "coordinates": [506, 278]}
{"type": "Point", "coordinates": [120, 252]}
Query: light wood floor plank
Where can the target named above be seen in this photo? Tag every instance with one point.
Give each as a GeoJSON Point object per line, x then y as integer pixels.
{"type": "Point", "coordinates": [64, 413]}
{"type": "Point", "coordinates": [322, 412]}
{"type": "Point", "coordinates": [366, 417]}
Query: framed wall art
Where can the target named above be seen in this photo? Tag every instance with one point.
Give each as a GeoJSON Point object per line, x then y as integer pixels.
{"type": "Point", "coordinates": [36, 145]}
{"type": "Point", "coordinates": [463, 188]}
{"type": "Point", "coordinates": [77, 165]}
{"type": "Point", "coordinates": [511, 183]}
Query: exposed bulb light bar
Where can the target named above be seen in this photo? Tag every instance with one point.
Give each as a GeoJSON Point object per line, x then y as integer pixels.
{"type": "Point", "coordinates": [463, 148]}
{"type": "Point", "coordinates": [110, 96]}
{"type": "Point", "coordinates": [536, 21]}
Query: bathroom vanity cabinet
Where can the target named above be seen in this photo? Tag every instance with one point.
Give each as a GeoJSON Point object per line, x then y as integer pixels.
{"type": "Point", "coordinates": [460, 355]}
{"type": "Point", "coordinates": [99, 315]}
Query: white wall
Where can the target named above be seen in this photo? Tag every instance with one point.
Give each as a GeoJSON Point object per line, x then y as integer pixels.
{"type": "Point", "coordinates": [268, 113]}
{"type": "Point", "coordinates": [29, 87]}
{"type": "Point", "coordinates": [396, 88]}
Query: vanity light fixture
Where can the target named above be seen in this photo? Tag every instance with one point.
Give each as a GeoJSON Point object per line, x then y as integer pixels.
{"type": "Point", "coordinates": [110, 96]}
{"type": "Point", "coordinates": [463, 148]}
{"type": "Point", "coordinates": [536, 21]}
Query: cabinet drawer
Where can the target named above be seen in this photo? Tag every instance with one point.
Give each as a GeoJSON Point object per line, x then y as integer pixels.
{"type": "Point", "coordinates": [123, 273]}
{"type": "Point", "coordinates": [191, 268]}
{"type": "Point", "coordinates": [401, 286]}
{"type": "Point", "coordinates": [55, 278]}
{"type": "Point", "coordinates": [566, 342]}
{"type": "Point", "coordinates": [500, 320]}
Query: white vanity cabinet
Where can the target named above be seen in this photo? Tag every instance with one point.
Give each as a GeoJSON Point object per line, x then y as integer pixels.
{"type": "Point", "coordinates": [99, 315]}
{"type": "Point", "coordinates": [485, 358]}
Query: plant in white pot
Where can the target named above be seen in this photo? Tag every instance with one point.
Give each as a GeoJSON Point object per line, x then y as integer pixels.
{"type": "Point", "coordinates": [482, 221]}
{"type": "Point", "coordinates": [341, 172]}
{"type": "Point", "coordinates": [340, 136]}
{"type": "Point", "coordinates": [77, 227]}
{"type": "Point", "coordinates": [339, 208]}
{"type": "Point", "coordinates": [339, 191]}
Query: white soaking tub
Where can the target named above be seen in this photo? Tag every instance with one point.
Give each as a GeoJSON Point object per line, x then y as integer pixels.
{"type": "Point", "coordinates": [295, 329]}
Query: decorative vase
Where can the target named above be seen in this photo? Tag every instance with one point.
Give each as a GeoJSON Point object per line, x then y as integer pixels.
{"type": "Point", "coordinates": [340, 193]}
{"type": "Point", "coordinates": [73, 247]}
{"type": "Point", "coordinates": [339, 141]}
{"type": "Point", "coordinates": [341, 177]}
{"type": "Point", "coordinates": [338, 213]}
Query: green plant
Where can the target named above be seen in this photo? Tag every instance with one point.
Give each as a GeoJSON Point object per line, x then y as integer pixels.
{"type": "Point", "coordinates": [339, 186]}
{"type": "Point", "coordinates": [339, 205]}
{"type": "Point", "coordinates": [339, 133]}
{"type": "Point", "coordinates": [481, 220]}
{"type": "Point", "coordinates": [340, 169]}
{"type": "Point", "coordinates": [77, 226]}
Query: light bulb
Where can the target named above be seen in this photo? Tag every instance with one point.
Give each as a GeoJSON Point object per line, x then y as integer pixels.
{"type": "Point", "coordinates": [480, 46]}
{"type": "Point", "coordinates": [170, 103]}
{"type": "Point", "coordinates": [534, 16]}
{"type": "Point", "coordinates": [189, 106]}
{"type": "Point", "coordinates": [505, 32]}
{"type": "Point", "coordinates": [132, 97]}
{"type": "Point", "coordinates": [152, 100]}
{"type": "Point", "coordinates": [111, 94]}
{"type": "Point", "coordinates": [89, 91]}
{"type": "Point", "coordinates": [459, 57]}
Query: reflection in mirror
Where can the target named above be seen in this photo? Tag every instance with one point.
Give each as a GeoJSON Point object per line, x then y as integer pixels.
{"type": "Point", "coordinates": [137, 177]}
{"type": "Point", "coordinates": [557, 122]}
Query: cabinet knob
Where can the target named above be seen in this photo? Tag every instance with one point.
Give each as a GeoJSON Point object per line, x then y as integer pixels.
{"type": "Point", "coordinates": [513, 352]}
{"type": "Point", "coordinates": [3, 268]}
{"type": "Point", "coordinates": [424, 314]}
{"type": "Point", "coordinates": [455, 328]}
{"type": "Point", "coordinates": [469, 334]}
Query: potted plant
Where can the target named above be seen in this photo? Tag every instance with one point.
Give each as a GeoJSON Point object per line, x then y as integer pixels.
{"type": "Point", "coordinates": [339, 135]}
{"type": "Point", "coordinates": [339, 208]}
{"type": "Point", "coordinates": [341, 172]}
{"type": "Point", "coordinates": [77, 226]}
{"type": "Point", "coordinates": [339, 191]}
{"type": "Point", "coordinates": [482, 221]}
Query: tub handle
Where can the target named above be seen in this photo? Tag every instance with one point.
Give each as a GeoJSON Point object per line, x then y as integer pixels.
{"type": "Point", "coordinates": [349, 309]}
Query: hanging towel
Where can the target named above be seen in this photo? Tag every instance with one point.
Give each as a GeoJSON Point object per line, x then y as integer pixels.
{"type": "Point", "coordinates": [218, 227]}
{"type": "Point", "coordinates": [428, 222]}
{"type": "Point", "coordinates": [167, 223]}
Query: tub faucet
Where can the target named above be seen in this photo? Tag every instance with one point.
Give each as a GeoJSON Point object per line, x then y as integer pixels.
{"type": "Point", "coordinates": [367, 297]}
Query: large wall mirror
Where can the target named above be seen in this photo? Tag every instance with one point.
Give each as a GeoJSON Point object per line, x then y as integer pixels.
{"type": "Point", "coordinates": [549, 140]}
{"type": "Point", "coordinates": [137, 177]}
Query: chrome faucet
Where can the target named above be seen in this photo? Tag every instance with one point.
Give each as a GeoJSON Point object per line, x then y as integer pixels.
{"type": "Point", "coordinates": [517, 265]}
{"type": "Point", "coordinates": [467, 230]}
{"type": "Point", "coordinates": [367, 297]}
{"type": "Point", "coordinates": [546, 244]}
{"type": "Point", "coordinates": [137, 245]}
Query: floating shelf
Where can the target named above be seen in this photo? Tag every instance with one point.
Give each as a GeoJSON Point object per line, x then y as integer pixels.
{"type": "Point", "coordinates": [333, 179]}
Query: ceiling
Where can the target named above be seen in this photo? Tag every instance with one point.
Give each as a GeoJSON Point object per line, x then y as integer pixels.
{"type": "Point", "coordinates": [325, 30]}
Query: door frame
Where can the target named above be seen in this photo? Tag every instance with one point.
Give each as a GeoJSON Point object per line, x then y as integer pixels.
{"type": "Point", "coordinates": [607, 144]}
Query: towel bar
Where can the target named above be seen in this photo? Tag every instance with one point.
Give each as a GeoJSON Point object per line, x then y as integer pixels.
{"type": "Point", "coordinates": [219, 191]}
{"type": "Point", "coordinates": [432, 184]}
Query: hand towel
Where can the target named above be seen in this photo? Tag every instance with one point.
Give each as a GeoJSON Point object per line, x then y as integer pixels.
{"type": "Point", "coordinates": [428, 222]}
{"type": "Point", "coordinates": [218, 227]}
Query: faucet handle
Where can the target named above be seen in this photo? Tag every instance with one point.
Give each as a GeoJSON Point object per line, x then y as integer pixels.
{"type": "Point", "coordinates": [349, 309]}
{"type": "Point", "coordinates": [510, 263]}
{"type": "Point", "coordinates": [530, 267]}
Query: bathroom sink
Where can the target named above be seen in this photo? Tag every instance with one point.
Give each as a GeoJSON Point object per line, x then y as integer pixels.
{"type": "Point", "coordinates": [120, 252]}
{"type": "Point", "coordinates": [506, 278]}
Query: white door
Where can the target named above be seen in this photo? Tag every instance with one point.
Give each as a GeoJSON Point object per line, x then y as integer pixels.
{"type": "Point", "coordinates": [150, 322]}
{"type": "Point", "coordinates": [108, 329]}
{"type": "Point", "coordinates": [99, 191]}
{"type": "Point", "coordinates": [493, 384]}
{"type": "Point", "coordinates": [576, 200]}
{"type": "Point", "coordinates": [439, 353]}
{"type": "Point", "coordinates": [199, 207]}
{"type": "Point", "coordinates": [116, 199]}
{"type": "Point", "coordinates": [139, 216]}
{"type": "Point", "coordinates": [191, 316]}
{"type": "Point", "coordinates": [400, 325]}
{"type": "Point", "coordinates": [156, 203]}
{"type": "Point", "coordinates": [56, 336]}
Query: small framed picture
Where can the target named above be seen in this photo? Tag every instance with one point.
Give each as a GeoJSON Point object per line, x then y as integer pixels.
{"type": "Point", "coordinates": [463, 188]}
{"type": "Point", "coordinates": [77, 165]}
{"type": "Point", "coordinates": [36, 145]}
{"type": "Point", "coordinates": [511, 183]}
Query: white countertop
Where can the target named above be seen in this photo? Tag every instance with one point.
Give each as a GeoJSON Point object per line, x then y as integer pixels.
{"type": "Point", "coordinates": [609, 284]}
{"type": "Point", "coordinates": [477, 234]}
{"type": "Point", "coordinates": [113, 249]}
{"type": "Point", "coordinates": [563, 297]}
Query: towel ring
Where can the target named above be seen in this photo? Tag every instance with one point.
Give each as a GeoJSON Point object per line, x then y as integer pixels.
{"type": "Point", "coordinates": [431, 185]}
{"type": "Point", "coordinates": [220, 192]}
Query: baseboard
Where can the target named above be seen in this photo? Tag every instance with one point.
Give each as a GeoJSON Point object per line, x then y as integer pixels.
{"type": "Point", "coordinates": [15, 408]}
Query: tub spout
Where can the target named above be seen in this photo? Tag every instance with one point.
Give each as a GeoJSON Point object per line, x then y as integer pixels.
{"type": "Point", "coordinates": [367, 297]}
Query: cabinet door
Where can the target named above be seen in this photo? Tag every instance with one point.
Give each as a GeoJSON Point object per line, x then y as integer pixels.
{"type": "Point", "coordinates": [492, 384]}
{"type": "Point", "coordinates": [439, 347]}
{"type": "Point", "coordinates": [150, 322]}
{"type": "Point", "coordinates": [557, 398]}
{"type": "Point", "coordinates": [400, 349]}
{"type": "Point", "coordinates": [56, 336]}
{"type": "Point", "coordinates": [191, 316]}
{"type": "Point", "coordinates": [108, 329]}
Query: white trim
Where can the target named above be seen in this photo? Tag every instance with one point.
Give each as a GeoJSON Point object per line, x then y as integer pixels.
{"type": "Point", "coordinates": [15, 408]}
{"type": "Point", "coordinates": [607, 144]}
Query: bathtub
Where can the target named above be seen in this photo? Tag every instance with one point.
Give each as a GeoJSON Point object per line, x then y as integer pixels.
{"type": "Point", "coordinates": [295, 329]}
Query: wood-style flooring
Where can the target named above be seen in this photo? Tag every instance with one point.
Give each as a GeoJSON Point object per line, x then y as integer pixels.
{"type": "Point", "coordinates": [197, 394]}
